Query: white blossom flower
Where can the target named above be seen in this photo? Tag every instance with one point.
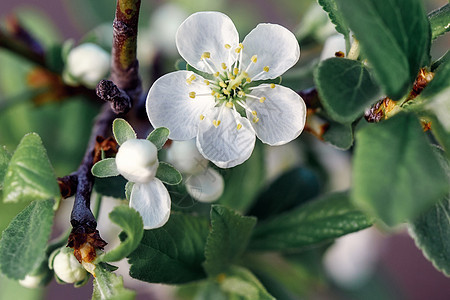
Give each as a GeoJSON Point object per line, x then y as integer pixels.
{"type": "Point", "coordinates": [209, 107]}
{"type": "Point", "coordinates": [137, 161]}
{"type": "Point", "coordinates": [87, 64]}
{"type": "Point", "coordinates": [203, 183]}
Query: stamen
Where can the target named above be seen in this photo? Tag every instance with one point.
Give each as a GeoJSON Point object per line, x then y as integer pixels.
{"type": "Point", "coordinates": [192, 95]}
{"type": "Point", "coordinates": [202, 117]}
{"type": "Point", "coordinates": [239, 126]}
{"type": "Point", "coordinates": [216, 123]}
{"type": "Point", "coordinates": [266, 69]}
{"type": "Point", "coordinates": [227, 46]}
{"type": "Point", "coordinates": [216, 74]}
{"type": "Point", "coordinates": [272, 85]}
{"type": "Point", "coordinates": [254, 113]}
{"type": "Point", "coordinates": [262, 99]}
{"type": "Point", "coordinates": [222, 84]}
{"type": "Point", "coordinates": [206, 55]}
{"type": "Point", "coordinates": [254, 59]}
{"type": "Point", "coordinates": [190, 79]}
{"type": "Point", "coordinates": [235, 71]}
{"type": "Point", "coordinates": [229, 104]}
{"type": "Point", "coordinates": [206, 82]}
{"type": "Point", "coordinates": [255, 120]}
{"type": "Point", "coordinates": [224, 66]}
{"type": "Point", "coordinates": [241, 94]}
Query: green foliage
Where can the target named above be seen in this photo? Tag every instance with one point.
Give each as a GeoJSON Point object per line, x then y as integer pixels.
{"type": "Point", "coordinates": [396, 173]}
{"type": "Point", "coordinates": [172, 254]}
{"type": "Point", "coordinates": [131, 223]}
{"type": "Point", "coordinates": [394, 36]}
{"type": "Point", "coordinates": [24, 241]}
{"type": "Point", "coordinates": [330, 6]}
{"type": "Point", "coordinates": [4, 161]}
{"type": "Point", "coordinates": [227, 239]}
{"type": "Point", "coordinates": [441, 79]}
{"type": "Point", "coordinates": [319, 220]}
{"type": "Point", "coordinates": [109, 286]}
{"type": "Point", "coordinates": [168, 174]}
{"type": "Point", "coordinates": [122, 131]}
{"type": "Point", "coordinates": [105, 168]}
{"type": "Point", "coordinates": [159, 137]}
{"type": "Point", "coordinates": [439, 21]}
{"type": "Point", "coordinates": [339, 135]}
{"type": "Point", "coordinates": [29, 175]}
{"type": "Point", "coordinates": [291, 189]}
{"type": "Point", "coordinates": [345, 87]}
{"type": "Point", "coordinates": [111, 186]}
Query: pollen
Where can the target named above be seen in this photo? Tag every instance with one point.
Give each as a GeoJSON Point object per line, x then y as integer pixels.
{"type": "Point", "coordinates": [190, 79]}
{"type": "Point", "coordinates": [241, 94]}
{"type": "Point", "coordinates": [202, 117]}
{"type": "Point", "coordinates": [226, 92]}
{"type": "Point", "coordinates": [206, 55]}
{"type": "Point", "coordinates": [192, 95]}
{"type": "Point", "coordinates": [272, 85]}
{"type": "Point", "coordinates": [254, 113]}
{"type": "Point", "coordinates": [266, 69]}
{"type": "Point", "coordinates": [206, 82]}
{"type": "Point", "coordinates": [235, 71]}
{"type": "Point", "coordinates": [227, 46]}
{"type": "Point", "coordinates": [224, 66]}
{"type": "Point", "coordinates": [254, 59]}
{"type": "Point", "coordinates": [255, 120]}
{"type": "Point", "coordinates": [239, 126]}
{"type": "Point", "coordinates": [216, 74]}
{"type": "Point", "coordinates": [262, 99]}
{"type": "Point", "coordinates": [239, 48]}
{"type": "Point", "coordinates": [222, 84]}
{"type": "Point", "coordinates": [216, 123]}
{"type": "Point", "coordinates": [229, 104]}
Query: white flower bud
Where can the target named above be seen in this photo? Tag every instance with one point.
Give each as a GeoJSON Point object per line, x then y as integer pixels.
{"type": "Point", "coordinates": [88, 64]}
{"type": "Point", "coordinates": [137, 160]}
{"type": "Point", "coordinates": [67, 267]}
{"type": "Point", "coordinates": [184, 156]}
{"type": "Point", "coordinates": [31, 281]}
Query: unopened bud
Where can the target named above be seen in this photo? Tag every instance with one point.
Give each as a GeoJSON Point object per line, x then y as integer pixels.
{"type": "Point", "coordinates": [67, 268]}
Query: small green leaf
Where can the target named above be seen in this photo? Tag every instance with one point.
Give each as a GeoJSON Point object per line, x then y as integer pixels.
{"type": "Point", "coordinates": [131, 223]}
{"type": "Point", "coordinates": [4, 161]}
{"type": "Point", "coordinates": [335, 16]}
{"type": "Point", "coordinates": [394, 36]}
{"type": "Point", "coordinates": [109, 286]}
{"type": "Point", "coordinates": [122, 131]}
{"type": "Point", "coordinates": [439, 21]}
{"type": "Point", "coordinates": [345, 87]}
{"type": "Point", "coordinates": [105, 168]}
{"type": "Point", "coordinates": [159, 137]}
{"type": "Point", "coordinates": [320, 220]}
{"type": "Point", "coordinates": [172, 254]}
{"type": "Point", "coordinates": [396, 174]}
{"type": "Point", "coordinates": [339, 135]}
{"type": "Point", "coordinates": [30, 176]}
{"type": "Point", "coordinates": [168, 174]}
{"type": "Point", "coordinates": [227, 240]}
{"type": "Point", "coordinates": [291, 189]}
{"type": "Point", "coordinates": [24, 241]}
{"type": "Point", "coordinates": [240, 282]}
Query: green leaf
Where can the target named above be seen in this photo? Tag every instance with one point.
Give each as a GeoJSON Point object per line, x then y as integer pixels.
{"type": "Point", "coordinates": [345, 87]}
{"type": "Point", "coordinates": [24, 241]}
{"type": "Point", "coordinates": [111, 186]}
{"type": "Point", "coordinates": [30, 176]}
{"type": "Point", "coordinates": [320, 220]}
{"type": "Point", "coordinates": [109, 286]}
{"type": "Point", "coordinates": [439, 21]}
{"type": "Point", "coordinates": [394, 36]}
{"type": "Point", "coordinates": [441, 79]}
{"type": "Point", "coordinates": [4, 161]}
{"type": "Point", "coordinates": [291, 189]}
{"type": "Point", "coordinates": [122, 131]}
{"type": "Point", "coordinates": [168, 174]}
{"type": "Point", "coordinates": [339, 135]}
{"type": "Point", "coordinates": [227, 240]}
{"type": "Point", "coordinates": [396, 173]}
{"type": "Point", "coordinates": [241, 282]}
{"type": "Point", "coordinates": [131, 223]}
{"type": "Point", "coordinates": [159, 137]}
{"type": "Point", "coordinates": [172, 254]}
{"type": "Point", "coordinates": [105, 168]}
{"type": "Point", "coordinates": [335, 16]}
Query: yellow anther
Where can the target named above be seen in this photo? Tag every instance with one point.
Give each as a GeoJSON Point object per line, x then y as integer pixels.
{"type": "Point", "coordinates": [241, 46]}
{"type": "Point", "coordinates": [266, 69]}
{"type": "Point", "coordinates": [216, 74]}
{"type": "Point", "coordinates": [255, 120]}
{"type": "Point", "coordinates": [213, 93]}
{"type": "Point", "coordinates": [227, 46]}
{"type": "Point", "coordinates": [272, 85]}
{"type": "Point", "coordinates": [245, 74]}
{"type": "Point", "coordinates": [239, 126]}
{"type": "Point", "coordinates": [254, 58]}
{"type": "Point", "coordinates": [248, 79]}
{"type": "Point", "coordinates": [229, 104]}
{"type": "Point", "coordinates": [222, 84]}
{"type": "Point", "coordinates": [224, 66]}
{"type": "Point", "coordinates": [190, 79]}
{"type": "Point", "coordinates": [206, 82]}
{"type": "Point", "coordinates": [235, 71]}
{"type": "Point", "coordinates": [192, 95]}
{"type": "Point", "coordinates": [241, 94]}
{"type": "Point", "coordinates": [216, 123]}
{"type": "Point", "coordinates": [202, 117]}
{"type": "Point", "coordinates": [226, 92]}
{"type": "Point", "coordinates": [262, 99]}
{"type": "Point", "coordinates": [206, 55]}
{"type": "Point", "coordinates": [237, 50]}
{"type": "Point", "coordinates": [254, 113]}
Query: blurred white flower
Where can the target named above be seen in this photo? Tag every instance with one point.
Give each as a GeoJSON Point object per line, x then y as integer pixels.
{"type": "Point", "coordinates": [333, 44]}
{"type": "Point", "coordinates": [440, 105]}
{"type": "Point", "coordinates": [137, 161]}
{"type": "Point", "coordinates": [210, 108]}
{"type": "Point", "coordinates": [87, 64]}
{"type": "Point", "coordinates": [31, 281]}
{"type": "Point", "coordinates": [67, 267]}
{"type": "Point", "coordinates": [203, 183]}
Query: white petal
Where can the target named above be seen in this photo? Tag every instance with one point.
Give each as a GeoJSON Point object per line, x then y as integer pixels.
{"type": "Point", "coordinates": [281, 116]}
{"type": "Point", "coordinates": [206, 186]}
{"type": "Point", "coordinates": [275, 47]}
{"type": "Point", "coordinates": [225, 145]}
{"type": "Point", "coordinates": [332, 45]}
{"type": "Point", "coordinates": [152, 201]}
{"type": "Point", "coordinates": [207, 32]}
{"type": "Point", "coordinates": [169, 103]}
{"type": "Point", "coordinates": [184, 156]}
